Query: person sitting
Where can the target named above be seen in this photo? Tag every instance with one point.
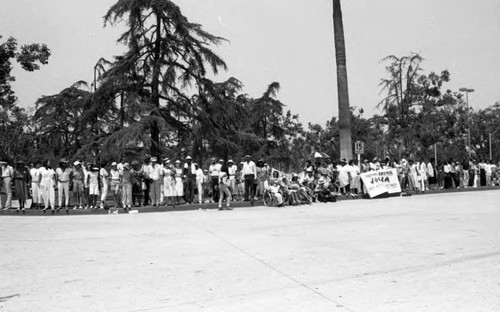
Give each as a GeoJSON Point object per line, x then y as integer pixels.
{"type": "Point", "coordinates": [274, 187]}
{"type": "Point", "coordinates": [324, 193]}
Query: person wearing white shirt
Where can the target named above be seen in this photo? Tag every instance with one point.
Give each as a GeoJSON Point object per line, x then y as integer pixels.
{"type": "Point", "coordinates": [169, 191]}
{"type": "Point", "coordinates": [422, 175]}
{"type": "Point", "coordinates": [487, 169]}
{"type": "Point", "coordinates": [7, 176]}
{"type": "Point", "coordinates": [190, 179]}
{"type": "Point", "coordinates": [155, 174]}
{"type": "Point", "coordinates": [47, 184]}
{"type": "Point", "coordinates": [104, 175]}
{"type": "Point", "coordinates": [199, 182]}
{"type": "Point", "coordinates": [354, 178]}
{"type": "Point", "coordinates": [115, 183]}
{"type": "Point", "coordinates": [35, 184]}
{"type": "Point", "coordinates": [214, 172]}
{"type": "Point", "coordinates": [249, 173]}
{"type": "Point", "coordinates": [431, 174]}
{"type": "Point", "coordinates": [62, 177]}
{"type": "Point", "coordinates": [232, 168]}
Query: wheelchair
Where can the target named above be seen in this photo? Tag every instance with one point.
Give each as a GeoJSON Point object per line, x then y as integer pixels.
{"type": "Point", "coordinates": [270, 200]}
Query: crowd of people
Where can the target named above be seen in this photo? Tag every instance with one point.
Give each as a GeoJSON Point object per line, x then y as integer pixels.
{"type": "Point", "coordinates": [152, 182]}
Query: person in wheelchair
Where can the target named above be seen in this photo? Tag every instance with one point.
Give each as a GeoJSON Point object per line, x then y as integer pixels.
{"type": "Point", "coordinates": [299, 193]}
{"type": "Point", "coordinates": [275, 188]}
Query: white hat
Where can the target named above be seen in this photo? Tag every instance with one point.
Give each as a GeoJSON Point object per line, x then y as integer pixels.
{"type": "Point", "coordinates": [188, 158]}
{"type": "Point", "coordinates": [154, 159]}
{"type": "Point", "coordinates": [177, 161]}
{"type": "Point", "coordinates": [76, 163]}
{"type": "Point", "coordinates": [114, 163]}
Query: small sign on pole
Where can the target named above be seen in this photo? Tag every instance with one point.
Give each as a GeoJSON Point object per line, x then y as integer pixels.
{"type": "Point", "coordinates": [359, 147]}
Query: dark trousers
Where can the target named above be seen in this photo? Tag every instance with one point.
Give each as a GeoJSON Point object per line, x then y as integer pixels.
{"type": "Point", "coordinates": [147, 182]}
{"type": "Point", "coordinates": [472, 176]}
{"type": "Point", "coordinates": [456, 179]}
{"type": "Point", "coordinates": [447, 180]}
{"type": "Point", "coordinates": [214, 184]}
{"type": "Point", "coordinates": [249, 186]}
{"type": "Point", "coordinates": [189, 191]}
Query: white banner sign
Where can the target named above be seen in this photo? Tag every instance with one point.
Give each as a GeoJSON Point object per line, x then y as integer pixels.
{"type": "Point", "coordinates": [381, 181]}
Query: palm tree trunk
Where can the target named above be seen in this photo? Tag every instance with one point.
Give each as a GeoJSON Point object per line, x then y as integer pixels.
{"type": "Point", "coordinates": [342, 86]}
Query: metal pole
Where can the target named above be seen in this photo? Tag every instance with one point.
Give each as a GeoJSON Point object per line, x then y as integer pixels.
{"type": "Point", "coordinates": [435, 154]}
{"type": "Point", "coordinates": [468, 123]}
{"type": "Point", "coordinates": [490, 147]}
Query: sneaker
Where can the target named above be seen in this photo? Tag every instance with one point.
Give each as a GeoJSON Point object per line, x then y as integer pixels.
{"type": "Point", "coordinates": [220, 207]}
{"type": "Point", "coordinates": [229, 208]}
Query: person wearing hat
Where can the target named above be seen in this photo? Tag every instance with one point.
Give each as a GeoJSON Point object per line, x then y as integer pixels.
{"type": "Point", "coordinates": [93, 184]}
{"type": "Point", "coordinates": [169, 182]}
{"type": "Point", "coordinates": [214, 171]}
{"type": "Point", "coordinates": [190, 179]}
{"type": "Point", "coordinates": [21, 178]}
{"type": "Point", "coordinates": [179, 183]}
{"type": "Point", "coordinates": [77, 176]}
{"type": "Point", "coordinates": [63, 174]}
{"type": "Point", "coordinates": [155, 174]}
{"type": "Point", "coordinates": [126, 181]}
{"type": "Point", "coordinates": [7, 175]}
{"type": "Point", "coordinates": [48, 184]}
{"type": "Point", "coordinates": [35, 185]}
{"type": "Point", "coordinates": [249, 172]}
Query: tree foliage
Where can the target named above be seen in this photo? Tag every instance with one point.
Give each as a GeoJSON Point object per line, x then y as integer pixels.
{"type": "Point", "coordinates": [14, 120]}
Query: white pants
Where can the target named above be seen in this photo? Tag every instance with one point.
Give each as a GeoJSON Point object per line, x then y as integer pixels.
{"type": "Point", "coordinates": [104, 192]}
{"type": "Point", "coordinates": [126, 194]}
{"type": "Point", "coordinates": [48, 194]}
{"type": "Point", "coordinates": [199, 187]}
{"type": "Point", "coordinates": [35, 189]}
{"type": "Point", "coordinates": [63, 187]}
{"type": "Point", "coordinates": [232, 185]}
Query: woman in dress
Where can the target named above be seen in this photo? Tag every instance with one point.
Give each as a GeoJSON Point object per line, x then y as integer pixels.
{"type": "Point", "coordinates": [343, 177]}
{"type": "Point", "coordinates": [21, 177]}
{"type": "Point", "coordinates": [179, 184]}
{"type": "Point", "coordinates": [47, 185]}
{"type": "Point", "coordinates": [169, 183]}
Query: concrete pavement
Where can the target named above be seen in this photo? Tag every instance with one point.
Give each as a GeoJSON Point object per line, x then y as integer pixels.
{"type": "Point", "coordinates": [421, 253]}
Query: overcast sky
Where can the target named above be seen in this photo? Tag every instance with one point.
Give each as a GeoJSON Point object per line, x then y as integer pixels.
{"type": "Point", "coordinates": [288, 41]}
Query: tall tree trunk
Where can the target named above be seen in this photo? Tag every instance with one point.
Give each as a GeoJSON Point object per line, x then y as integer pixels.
{"type": "Point", "coordinates": [155, 92]}
{"type": "Point", "coordinates": [342, 87]}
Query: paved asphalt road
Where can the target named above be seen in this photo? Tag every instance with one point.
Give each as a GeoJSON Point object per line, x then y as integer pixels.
{"type": "Point", "coordinates": [421, 253]}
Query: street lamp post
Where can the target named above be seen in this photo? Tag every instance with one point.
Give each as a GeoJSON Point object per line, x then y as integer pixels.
{"type": "Point", "coordinates": [467, 91]}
